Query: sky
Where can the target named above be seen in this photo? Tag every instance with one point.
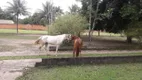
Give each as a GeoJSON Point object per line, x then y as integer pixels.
{"type": "Point", "coordinates": [35, 5]}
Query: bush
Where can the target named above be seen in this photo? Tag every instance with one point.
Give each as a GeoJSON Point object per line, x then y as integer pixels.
{"type": "Point", "coordinates": [69, 24]}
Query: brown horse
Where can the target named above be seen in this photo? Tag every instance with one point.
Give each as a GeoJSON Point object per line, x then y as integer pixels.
{"type": "Point", "coordinates": [77, 44]}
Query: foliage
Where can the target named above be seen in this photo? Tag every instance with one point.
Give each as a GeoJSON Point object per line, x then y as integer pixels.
{"type": "Point", "coordinates": [45, 16]}
{"type": "Point", "coordinates": [5, 15]}
{"type": "Point", "coordinates": [113, 14]}
{"type": "Point", "coordinates": [73, 24]}
{"type": "Point", "coordinates": [18, 7]}
{"type": "Point", "coordinates": [74, 9]}
{"type": "Point", "coordinates": [49, 12]}
{"type": "Point", "coordinates": [93, 11]}
{"type": "Point", "coordinates": [135, 30]}
{"type": "Point", "coordinates": [130, 11]}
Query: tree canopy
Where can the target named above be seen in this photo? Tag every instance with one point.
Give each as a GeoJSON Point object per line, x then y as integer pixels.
{"type": "Point", "coordinates": [111, 13]}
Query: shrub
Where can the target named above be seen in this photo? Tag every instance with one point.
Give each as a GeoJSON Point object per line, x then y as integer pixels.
{"type": "Point", "coordinates": [69, 24]}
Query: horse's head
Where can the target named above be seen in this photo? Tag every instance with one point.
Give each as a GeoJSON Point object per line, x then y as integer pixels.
{"type": "Point", "coordinates": [68, 37]}
{"type": "Point", "coordinates": [73, 37]}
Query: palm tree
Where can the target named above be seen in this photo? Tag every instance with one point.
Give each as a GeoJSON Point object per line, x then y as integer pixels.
{"type": "Point", "coordinates": [46, 13]}
{"type": "Point", "coordinates": [49, 12]}
{"type": "Point", "coordinates": [17, 8]}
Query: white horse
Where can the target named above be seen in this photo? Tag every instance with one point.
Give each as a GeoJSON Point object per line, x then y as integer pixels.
{"type": "Point", "coordinates": [49, 40]}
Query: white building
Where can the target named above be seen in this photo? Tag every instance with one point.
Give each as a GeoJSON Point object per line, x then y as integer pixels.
{"type": "Point", "coordinates": [6, 21]}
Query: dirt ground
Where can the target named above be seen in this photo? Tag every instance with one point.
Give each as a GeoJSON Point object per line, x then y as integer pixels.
{"type": "Point", "coordinates": [10, 69]}
{"type": "Point", "coordinates": [21, 47]}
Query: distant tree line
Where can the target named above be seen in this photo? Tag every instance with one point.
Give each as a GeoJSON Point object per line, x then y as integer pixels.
{"type": "Point", "coordinates": [45, 16]}
{"type": "Point", "coordinates": [5, 15]}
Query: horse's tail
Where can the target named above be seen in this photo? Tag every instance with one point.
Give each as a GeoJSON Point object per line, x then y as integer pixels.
{"type": "Point", "coordinates": [37, 41]}
{"type": "Point", "coordinates": [79, 44]}
{"type": "Point", "coordinates": [77, 49]}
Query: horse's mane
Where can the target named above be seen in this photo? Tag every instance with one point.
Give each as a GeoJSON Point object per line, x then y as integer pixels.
{"type": "Point", "coordinates": [74, 37]}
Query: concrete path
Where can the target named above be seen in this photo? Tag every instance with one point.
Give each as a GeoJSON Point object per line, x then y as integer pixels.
{"type": "Point", "coordinates": [11, 69]}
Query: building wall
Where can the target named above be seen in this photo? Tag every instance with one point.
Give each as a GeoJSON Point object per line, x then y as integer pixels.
{"type": "Point", "coordinates": [23, 26]}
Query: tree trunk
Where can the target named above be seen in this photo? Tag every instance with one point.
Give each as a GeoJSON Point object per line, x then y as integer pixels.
{"type": "Point", "coordinates": [129, 39]}
{"type": "Point", "coordinates": [78, 34]}
{"type": "Point", "coordinates": [99, 32]}
{"type": "Point", "coordinates": [90, 20]}
{"type": "Point", "coordinates": [17, 23]}
{"type": "Point", "coordinates": [89, 36]}
{"type": "Point", "coordinates": [96, 15]}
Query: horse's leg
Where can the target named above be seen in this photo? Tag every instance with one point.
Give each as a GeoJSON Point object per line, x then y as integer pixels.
{"type": "Point", "coordinates": [41, 46]}
{"type": "Point", "coordinates": [74, 52]}
{"type": "Point", "coordinates": [80, 52]}
{"type": "Point", "coordinates": [77, 52]}
{"type": "Point", "coordinates": [57, 47]}
{"type": "Point", "coordinates": [45, 46]}
{"type": "Point", "coordinates": [48, 47]}
{"type": "Point", "coordinates": [80, 48]}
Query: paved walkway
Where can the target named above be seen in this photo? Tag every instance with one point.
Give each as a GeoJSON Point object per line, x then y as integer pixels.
{"type": "Point", "coordinates": [11, 69]}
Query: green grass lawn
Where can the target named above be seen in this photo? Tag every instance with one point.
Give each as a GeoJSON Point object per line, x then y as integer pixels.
{"type": "Point", "coordinates": [129, 71]}
{"type": "Point", "coordinates": [45, 32]}
{"type": "Point", "coordinates": [23, 31]}
{"type": "Point", "coordinates": [16, 36]}
{"type": "Point", "coordinates": [11, 33]}
{"type": "Point", "coordinates": [67, 56]}
{"type": "Point", "coordinates": [23, 34]}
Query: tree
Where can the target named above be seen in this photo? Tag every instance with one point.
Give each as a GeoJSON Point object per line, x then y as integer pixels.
{"type": "Point", "coordinates": [27, 20]}
{"type": "Point", "coordinates": [50, 12]}
{"type": "Point", "coordinates": [17, 8]}
{"type": "Point", "coordinates": [70, 24]}
{"type": "Point", "coordinates": [90, 9]}
{"type": "Point", "coordinates": [109, 14]}
{"type": "Point", "coordinates": [36, 18]}
{"type": "Point", "coordinates": [1, 13]}
{"type": "Point", "coordinates": [135, 30]}
{"type": "Point", "coordinates": [5, 15]}
{"type": "Point", "coordinates": [74, 9]}
{"type": "Point", "coordinates": [132, 13]}
{"type": "Point", "coordinates": [120, 13]}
